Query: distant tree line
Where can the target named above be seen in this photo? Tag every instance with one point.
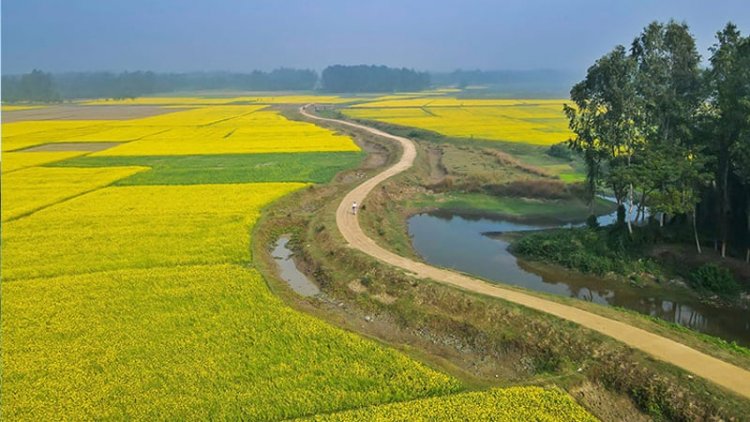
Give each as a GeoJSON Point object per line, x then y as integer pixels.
{"type": "Point", "coordinates": [535, 83]}
{"type": "Point", "coordinates": [661, 132]}
{"type": "Point", "coordinates": [363, 78]}
{"type": "Point", "coordinates": [35, 86]}
{"type": "Point", "coordinates": [38, 86]}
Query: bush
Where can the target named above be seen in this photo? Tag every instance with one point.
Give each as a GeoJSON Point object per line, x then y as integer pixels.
{"type": "Point", "coordinates": [583, 249]}
{"type": "Point", "coordinates": [560, 150]}
{"type": "Point", "coordinates": [715, 279]}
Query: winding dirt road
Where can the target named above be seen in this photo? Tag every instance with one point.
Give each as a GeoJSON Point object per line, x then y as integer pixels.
{"type": "Point", "coordinates": [729, 376]}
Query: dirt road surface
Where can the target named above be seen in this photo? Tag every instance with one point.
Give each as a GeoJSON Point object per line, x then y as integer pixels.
{"type": "Point", "coordinates": [729, 376]}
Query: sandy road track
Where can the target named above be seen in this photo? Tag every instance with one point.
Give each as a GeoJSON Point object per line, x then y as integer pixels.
{"type": "Point", "coordinates": [715, 370]}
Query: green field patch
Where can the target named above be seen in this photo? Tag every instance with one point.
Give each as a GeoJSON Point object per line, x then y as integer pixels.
{"type": "Point", "coordinates": [305, 167]}
{"type": "Point", "coordinates": [572, 177]}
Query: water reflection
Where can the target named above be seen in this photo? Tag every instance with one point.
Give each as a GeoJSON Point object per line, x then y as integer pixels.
{"type": "Point", "coordinates": [459, 242]}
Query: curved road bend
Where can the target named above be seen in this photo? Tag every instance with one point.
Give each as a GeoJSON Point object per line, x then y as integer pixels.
{"type": "Point", "coordinates": [722, 373]}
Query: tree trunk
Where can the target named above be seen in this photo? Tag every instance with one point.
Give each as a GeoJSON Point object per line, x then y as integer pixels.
{"type": "Point", "coordinates": [695, 231]}
{"type": "Point", "coordinates": [724, 203]}
{"type": "Point", "coordinates": [630, 209]}
{"type": "Point", "coordinates": [642, 208]}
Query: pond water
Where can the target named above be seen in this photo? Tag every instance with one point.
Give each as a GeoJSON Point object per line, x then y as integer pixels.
{"type": "Point", "coordinates": [461, 242]}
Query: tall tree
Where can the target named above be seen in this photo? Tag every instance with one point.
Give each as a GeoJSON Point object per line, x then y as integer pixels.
{"type": "Point", "coordinates": [669, 91]}
{"type": "Point", "coordinates": [603, 120]}
{"type": "Point", "coordinates": [729, 85]}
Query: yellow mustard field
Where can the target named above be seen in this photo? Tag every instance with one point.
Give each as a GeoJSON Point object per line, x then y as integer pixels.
{"type": "Point", "coordinates": [50, 126]}
{"type": "Point", "coordinates": [7, 107]}
{"type": "Point", "coordinates": [206, 130]}
{"type": "Point", "coordinates": [12, 161]}
{"type": "Point", "coordinates": [135, 298]}
{"type": "Point", "coordinates": [502, 404]}
{"type": "Point", "coordinates": [137, 227]}
{"type": "Point", "coordinates": [139, 302]}
{"type": "Point", "coordinates": [252, 132]}
{"type": "Point", "coordinates": [540, 122]}
{"type": "Point", "coordinates": [186, 343]}
{"type": "Point", "coordinates": [443, 101]}
{"type": "Point", "coordinates": [29, 189]}
{"type": "Point", "coordinates": [200, 101]}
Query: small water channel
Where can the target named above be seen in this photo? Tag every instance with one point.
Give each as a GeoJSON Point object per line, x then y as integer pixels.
{"type": "Point", "coordinates": [460, 242]}
{"type": "Point", "coordinates": [288, 269]}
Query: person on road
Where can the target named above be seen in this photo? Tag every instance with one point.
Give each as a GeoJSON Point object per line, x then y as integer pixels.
{"type": "Point", "coordinates": [354, 207]}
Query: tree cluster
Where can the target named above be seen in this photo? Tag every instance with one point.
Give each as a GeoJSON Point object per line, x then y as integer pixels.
{"type": "Point", "coordinates": [36, 86]}
{"type": "Point", "coordinates": [363, 78]}
{"type": "Point", "coordinates": [39, 86]}
{"type": "Point", "coordinates": [664, 134]}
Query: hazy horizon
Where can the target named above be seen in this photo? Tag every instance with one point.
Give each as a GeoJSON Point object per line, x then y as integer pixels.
{"type": "Point", "coordinates": [236, 36]}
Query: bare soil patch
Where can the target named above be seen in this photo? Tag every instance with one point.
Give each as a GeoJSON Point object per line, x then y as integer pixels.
{"type": "Point", "coordinates": [72, 146]}
{"type": "Point", "coordinates": [437, 169]}
{"type": "Point", "coordinates": [81, 112]}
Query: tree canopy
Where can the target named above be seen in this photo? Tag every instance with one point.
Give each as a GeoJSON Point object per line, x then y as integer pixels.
{"type": "Point", "coordinates": [363, 78]}
{"type": "Point", "coordinates": [661, 133]}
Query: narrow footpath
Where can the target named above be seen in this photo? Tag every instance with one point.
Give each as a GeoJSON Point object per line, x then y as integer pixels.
{"type": "Point", "coordinates": [729, 376]}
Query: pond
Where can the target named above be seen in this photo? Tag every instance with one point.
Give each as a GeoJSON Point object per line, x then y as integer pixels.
{"type": "Point", "coordinates": [461, 242]}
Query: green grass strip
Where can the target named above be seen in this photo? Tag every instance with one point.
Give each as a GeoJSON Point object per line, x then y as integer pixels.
{"type": "Point", "coordinates": [312, 167]}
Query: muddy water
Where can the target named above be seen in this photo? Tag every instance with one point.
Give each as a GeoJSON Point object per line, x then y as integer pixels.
{"type": "Point", "coordinates": [289, 272]}
{"type": "Point", "coordinates": [460, 242]}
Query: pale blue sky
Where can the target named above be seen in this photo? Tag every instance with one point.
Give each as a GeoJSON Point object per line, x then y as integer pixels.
{"type": "Point", "coordinates": [235, 35]}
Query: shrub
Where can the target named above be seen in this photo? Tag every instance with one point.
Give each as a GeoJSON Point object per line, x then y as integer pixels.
{"type": "Point", "coordinates": [583, 249]}
{"type": "Point", "coordinates": [560, 150]}
{"type": "Point", "coordinates": [715, 279]}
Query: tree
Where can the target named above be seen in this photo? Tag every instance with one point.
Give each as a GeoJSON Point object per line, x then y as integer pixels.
{"type": "Point", "coordinates": [363, 78]}
{"type": "Point", "coordinates": [742, 169]}
{"type": "Point", "coordinates": [604, 120]}
{"type": "Point", "coordinates": [682, 174]}
{"type": "Point", "coordinates": [669, 92]}
{"type": "Point", "coordinates": [729, 87]}
{"type": "Point", "coordinates": [36, 86]}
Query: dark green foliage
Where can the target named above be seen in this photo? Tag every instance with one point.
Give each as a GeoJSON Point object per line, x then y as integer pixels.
{"type": "Point", "coordinates": [313, 167]}
{"type": "Point", "coordinates": [658, 131]}
{"type": "Point", "coordinates": [560, 151]}
{"type": "Point", "coordinates": [42, 87]}
{"type": "Point", "coordinates": [621, 215]}
{"type": "Point", "coordinates": [36, 86]}
{"type": "Point", "coordinates": [586, 250]}
{"type": "Point", "coordinates": [363, 78]}
{"type": "Point", "coordinates": [714, 279]}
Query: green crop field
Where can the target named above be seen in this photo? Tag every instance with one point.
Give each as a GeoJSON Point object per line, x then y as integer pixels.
{"type": "Point", "coordinates": [312, 167]}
